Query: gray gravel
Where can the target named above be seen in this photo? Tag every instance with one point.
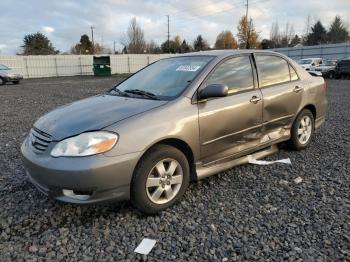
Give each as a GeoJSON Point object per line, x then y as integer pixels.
{"type": "Point", "coordinates": [247, 213]}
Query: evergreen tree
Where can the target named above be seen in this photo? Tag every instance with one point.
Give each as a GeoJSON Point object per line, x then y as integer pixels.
{"type": "Point", "coordinates": [200, 44]}
{"type": "Point", "coordinates": [318, 34]}
{"type": "Point", "coordinates": [38, 44]}
{"type": "Point", "coordinates": [337, 32]}
{"type": "Point", "coordinates": [296, 40]}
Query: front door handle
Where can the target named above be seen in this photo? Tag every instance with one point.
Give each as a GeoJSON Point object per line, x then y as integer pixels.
{"type": "Point", "coordinates": [254, 99]}
{"type": "Point", "coordinates": [297, 89]}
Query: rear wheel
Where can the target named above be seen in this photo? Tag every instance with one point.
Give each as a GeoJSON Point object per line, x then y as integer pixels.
{"type": "Point", "coordinates": [160, 179]}
{"type": "Point", "coordinates": [16, 82]}
{"type": "Point", "coordinates": [302, 130]}
{"type": "Point", "coordinates": [2, 81]}
{"type": "Point", "coordinates": [331, 75]}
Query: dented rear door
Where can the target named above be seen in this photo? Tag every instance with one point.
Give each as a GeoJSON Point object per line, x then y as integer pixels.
{"type": "Point", "coordinates": [282, 94]}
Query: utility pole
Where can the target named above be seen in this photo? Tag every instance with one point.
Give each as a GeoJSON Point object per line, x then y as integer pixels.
{"type": "Point", "coordinates": [168, 34]}
{"type": "Point", "coordinates": [248, 25]}
{"type": "Point", "coordinates": [114, 47]}
{"type": "Point", "coordinates": [92, 39]}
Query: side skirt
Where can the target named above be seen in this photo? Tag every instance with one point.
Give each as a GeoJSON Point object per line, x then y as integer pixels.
{"type": "Point", "coordinates": [205, 171]}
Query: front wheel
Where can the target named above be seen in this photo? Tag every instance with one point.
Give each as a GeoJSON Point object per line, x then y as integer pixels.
{"type": "Point", "coordinates": [331, 75]}
{"type": "Point", "coordinates": [2, 81]}
{"type": "Point", "coordinates": [302, 130]}
{"type": "Point", "coordinates": [160, 179]}
{"type": "Point", "coordinates": [16, 82]}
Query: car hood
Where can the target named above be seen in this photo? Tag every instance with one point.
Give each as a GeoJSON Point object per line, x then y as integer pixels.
{"type": "Point", "coordinates": [91, 114]}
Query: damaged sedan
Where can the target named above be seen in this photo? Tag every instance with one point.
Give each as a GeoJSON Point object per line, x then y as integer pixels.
{"type": "Point", "coordinates": [177, 120]}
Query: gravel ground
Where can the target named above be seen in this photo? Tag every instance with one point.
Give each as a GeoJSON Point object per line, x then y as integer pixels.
{"type": "Point", "coordinates": [247, 213]}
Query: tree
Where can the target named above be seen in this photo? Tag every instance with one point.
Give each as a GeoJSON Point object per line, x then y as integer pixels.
{"type": "Point", "coordinates": [275, 36]}
{"type": "Point", "coordinates": [247, 36]}
{"type": "Point", "coordinates": [200, 44]}
{"type": "Point", "coordinates": [267, 44]}
{"type": "Point", "coordinates": [337, 32]}
{"type": "Point", "coordinates": [184, 48]}
{"type": "Point", "coordinates": [295, 41]}
{"type": "Point", "coordinates": [135, 38]}
{"type": "Point", "coordinates": [153, 48]}
{"type": "Point", "coordinates": [225, 40]}
{"type": "Point", "coordinates": [84, 47]}
{"type": "Point", "coordinates": [318, 34]}
{"type": "Point", "coordinates": [169, 47]}
{"type": "Point", "coordinates": [38, 44]}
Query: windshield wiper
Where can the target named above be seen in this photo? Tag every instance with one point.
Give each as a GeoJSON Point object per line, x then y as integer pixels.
{"type": "Point", "coordinates": [119, 92]}
{"type": "Point", "coordinates": [142, 93]}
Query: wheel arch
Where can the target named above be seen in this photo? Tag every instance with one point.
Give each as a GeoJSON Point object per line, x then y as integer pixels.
{"type": "Point", "coordinates": [312, 108]}
{"type": "Point", "coordinates": [180, 145]}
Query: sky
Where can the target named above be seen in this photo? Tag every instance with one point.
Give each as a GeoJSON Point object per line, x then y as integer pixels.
{"type": "Point", "coordinates": [64, 21]}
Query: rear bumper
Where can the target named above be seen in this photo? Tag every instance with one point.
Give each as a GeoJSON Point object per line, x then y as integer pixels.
{"type": "Point", "coordinates": [98, 178]}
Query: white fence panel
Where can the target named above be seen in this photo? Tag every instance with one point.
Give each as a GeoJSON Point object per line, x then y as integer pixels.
{"type": "Point", "coordinates": [331, 51]}
{"type": "Point", "coordinates": [71, 65]}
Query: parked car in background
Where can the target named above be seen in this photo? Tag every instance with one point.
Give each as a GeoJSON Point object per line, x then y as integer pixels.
{"type": "Point", "coordinates": [307, 63]}
{"type": "Point", "coordinates": [179, 119]}
{"type": "Point", "coordinates": [342, 68]}
{"type": "Point", "coordinates": [9, 75]}
{"type": "Point", "coordinates": [327, 68]}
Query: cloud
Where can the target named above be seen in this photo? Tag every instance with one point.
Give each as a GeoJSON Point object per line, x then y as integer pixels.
{"type": "Point", "coordinates": [65, 21]}
{"type": "Point", "coordinates": [48, 29]}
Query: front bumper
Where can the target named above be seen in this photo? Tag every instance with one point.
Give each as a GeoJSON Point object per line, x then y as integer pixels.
{"type": "Point", "coordinates": [99, 178]}
{"type": "Point", "coordinates": [13, 78]}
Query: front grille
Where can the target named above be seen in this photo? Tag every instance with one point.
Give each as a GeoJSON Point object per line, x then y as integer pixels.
{"type": "Point", "coordinates": [39, 140]}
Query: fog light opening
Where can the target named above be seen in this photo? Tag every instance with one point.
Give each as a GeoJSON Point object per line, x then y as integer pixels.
{"type": "Point", "coordinates": [75, 194]}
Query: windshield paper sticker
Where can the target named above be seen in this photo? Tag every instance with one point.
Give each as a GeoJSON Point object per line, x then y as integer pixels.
{"type": "Point", "coordinates": [188, 68]}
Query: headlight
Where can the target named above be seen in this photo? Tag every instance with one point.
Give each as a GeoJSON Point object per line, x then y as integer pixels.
{"type": "Point", "coordinates": [85, 144]}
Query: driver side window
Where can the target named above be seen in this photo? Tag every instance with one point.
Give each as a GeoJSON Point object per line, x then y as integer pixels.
{"type": "Point", "coordinates": [236, 73]}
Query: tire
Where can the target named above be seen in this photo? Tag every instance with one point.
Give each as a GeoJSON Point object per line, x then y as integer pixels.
{"type": "Point", "coordinates": [2, 81]}
{"type": "Point", "coordinates": [150, 193]}
{"type": "Point", "coordinates": [16, 82]}
{"type": "Point", "coordinates": [331, 75]}
{"type": "Point", "coordinates": [301, 141]}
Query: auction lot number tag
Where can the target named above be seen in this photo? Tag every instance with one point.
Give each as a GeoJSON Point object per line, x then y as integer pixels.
{"type": "Point", "coordinates": [188, 68]}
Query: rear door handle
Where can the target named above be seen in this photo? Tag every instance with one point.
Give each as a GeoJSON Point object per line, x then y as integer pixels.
{"type": "Point", "coordinates": [297, 89]}
{"type": "Point", "coordinates": [254, 99]}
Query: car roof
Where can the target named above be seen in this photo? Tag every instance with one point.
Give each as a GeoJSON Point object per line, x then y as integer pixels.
{"type": "Point", "coordinates": [226, 52]}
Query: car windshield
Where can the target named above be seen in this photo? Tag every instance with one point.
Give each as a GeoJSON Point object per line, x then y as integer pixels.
{"type": "Point", "coordinates": [164, 79]}
{"type": "Point", "coordinates": [329, 63]}
{"type": "Point", "coordinates": [2, 67]}
{"type": "Point", "coordinates": [305, 61]}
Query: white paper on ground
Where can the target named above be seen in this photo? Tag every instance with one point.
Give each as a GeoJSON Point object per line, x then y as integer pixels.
{"type": "Point", "coordinates": [145, 246]}
{"type": "Point", "coordinates": [251, 160]}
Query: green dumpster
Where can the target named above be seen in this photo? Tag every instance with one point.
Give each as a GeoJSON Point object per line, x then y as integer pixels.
{"type": "Point", "coordinates": [102, 66]}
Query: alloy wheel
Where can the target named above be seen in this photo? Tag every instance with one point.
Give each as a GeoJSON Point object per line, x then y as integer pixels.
{"type": "Point", "coordinates": [304, 130]}
{"type": "Point", "coordinates": [164, 181]}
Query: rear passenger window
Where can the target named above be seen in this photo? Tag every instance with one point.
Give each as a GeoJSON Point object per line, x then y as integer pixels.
{"type": "Point", "coordinates": [273, 70]}
{"type": "Point", "coordinates": [236, 73]}
{"type": "Point", "coordinates": [293, 74]}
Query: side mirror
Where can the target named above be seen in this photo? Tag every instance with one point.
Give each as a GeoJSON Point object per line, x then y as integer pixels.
{"type": "Point", "coordinates": [213, 90]}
